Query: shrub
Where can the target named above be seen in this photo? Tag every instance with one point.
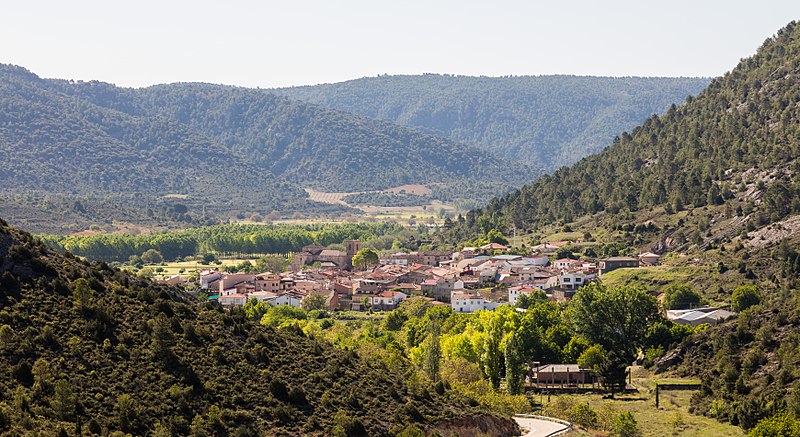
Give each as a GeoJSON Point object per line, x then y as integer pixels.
{"type": "Point", "coordinates": [782, 424]}
{"type": "Point", "coordinates": [744, 297]}
{"type": "Point", "coordinates": [625, 425]}
{"type": "Point", "coordinates": [583, 415]}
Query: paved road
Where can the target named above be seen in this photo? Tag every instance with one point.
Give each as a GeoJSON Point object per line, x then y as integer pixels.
{"type": "Point", "coordinates": [537, 427]}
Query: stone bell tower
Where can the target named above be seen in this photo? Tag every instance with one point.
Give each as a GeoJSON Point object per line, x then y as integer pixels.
{"type": "Point", "coordinates": [351, 248]}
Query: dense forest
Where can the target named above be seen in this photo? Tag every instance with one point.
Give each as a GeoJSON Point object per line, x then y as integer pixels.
{"type": "Point", "coordinates": [302, 143]}
{"type": "Point", "coordinates": [224, 240]}
{"type": "Point", "coordinates": [90, 349]}
{"type": "Point", "coordinates": [543, 121]}
{"type": "Point", "coordinates": [740, 138]}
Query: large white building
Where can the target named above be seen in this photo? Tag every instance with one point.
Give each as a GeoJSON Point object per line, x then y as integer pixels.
{"type": "Point", "coordinates": [462, 302]}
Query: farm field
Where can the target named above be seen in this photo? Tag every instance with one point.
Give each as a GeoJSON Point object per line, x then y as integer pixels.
{"type": "Point", "coordinates": [174, 268]}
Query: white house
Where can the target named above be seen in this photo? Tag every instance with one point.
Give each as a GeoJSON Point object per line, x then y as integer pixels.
{"type": "Point", "coordinates": [565, 263]}
{"type": "Point", "coordinates": [388, 299]}
{"type": "Point", "coordinates": [574, 280]}
{"type": "Point", "coordinates": [465, 303]}
{"type": "Point", "coordinates": [291, 298]}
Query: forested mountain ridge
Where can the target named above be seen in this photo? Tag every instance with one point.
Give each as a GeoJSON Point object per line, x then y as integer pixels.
{"type": "Point", "coordinates": [55, 143]}
{"type": "Point", "coordinates": [544, 121]}
{"type": "Point", "coordinates": [220, 150]}
{"type": "Point", "coordinates": [89, 348]}
{"type": "Point", "coordinates": [737, 141]}
{"type": "Point", "coordinates": [306, 144]}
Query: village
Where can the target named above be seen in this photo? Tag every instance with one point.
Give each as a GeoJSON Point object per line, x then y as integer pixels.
{"type": "Point", "coordinates": [470, 280]}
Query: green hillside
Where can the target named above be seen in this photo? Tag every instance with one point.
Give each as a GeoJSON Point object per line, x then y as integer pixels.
{"type": "Point", "coordinates": [221, 150]}
{"type": "Point", "coordinates": [544, 121]}
{"type": "Point", "coordinates": [714, 182]}
{"type": "Point", "coordinates": [89, 349]}
{"type": "Point", "coordinates": [736, 143]}
{"type": "Point", "coordinates": [306, 144]}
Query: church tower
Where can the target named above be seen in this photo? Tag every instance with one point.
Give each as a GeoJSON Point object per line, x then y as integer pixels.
{"type": "Point", "coordinates": [351, 248]}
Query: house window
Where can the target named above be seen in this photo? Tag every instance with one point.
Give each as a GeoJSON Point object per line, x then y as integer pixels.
{"type": "Point", "coordinates": [567, 280]}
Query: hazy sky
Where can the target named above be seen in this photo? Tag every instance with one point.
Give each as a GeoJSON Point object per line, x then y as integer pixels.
{"type": "Point", "coordinates": [293, 42]}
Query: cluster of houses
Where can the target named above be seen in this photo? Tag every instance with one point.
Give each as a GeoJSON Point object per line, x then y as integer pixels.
{"type": "Point", "coordinates": [472, 279]}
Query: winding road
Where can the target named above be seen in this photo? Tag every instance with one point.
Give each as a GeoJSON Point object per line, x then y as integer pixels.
{"type": "Point", "coordinates": [538, 427]}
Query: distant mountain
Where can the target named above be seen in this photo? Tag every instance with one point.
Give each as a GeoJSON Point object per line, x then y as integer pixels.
{"type": "Point", "coordinates": [303, 143]}
{"type": "Point", "coordinates": [217, 148]}
{"type": "Point", "coordinates": [55, 142]}
{"type": "Point", "coordinates": [544, 121]}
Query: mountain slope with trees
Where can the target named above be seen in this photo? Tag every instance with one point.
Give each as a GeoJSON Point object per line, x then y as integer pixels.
{"type": "Point", "coordinates": [544, 121]}
{"type": "Point", "coordinates": [722, 172]}
{"type": "Point", "coordinates": [302, 143]}
{"type": "Point", "coordinates": [88, 348]}
{"type": "Point", "coordinates": [95, 140]}
{"type": "Point", "coordinates": [737, 141]}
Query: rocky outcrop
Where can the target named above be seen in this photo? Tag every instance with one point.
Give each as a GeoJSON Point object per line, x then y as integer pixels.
{"type": "Point", "coordinates": [474, 426]}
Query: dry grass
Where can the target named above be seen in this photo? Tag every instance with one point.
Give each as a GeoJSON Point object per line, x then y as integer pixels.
{"type": "Point", "coordinates": [671, 418]}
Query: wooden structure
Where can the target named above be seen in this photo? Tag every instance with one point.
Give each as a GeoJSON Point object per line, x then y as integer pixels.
{"type": "Point", "coordinates": [561, 376]}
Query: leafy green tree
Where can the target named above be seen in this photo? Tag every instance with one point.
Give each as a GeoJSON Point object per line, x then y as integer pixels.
{"type": "Point", "coordinates": [680, 296]}
{"type": "Point", "coordinates": [433, 350]}
{"type": "Point", "coordinates": [161, 336]}
{"type": "Point", "coordinates": [593, 357]}
{"type": "Point", "coordinates": [616, 318]}
{"type": "Point", "coordinates": [492, 357]}
{"type": "Point", "coordinates": [565, 252]}
{"type": "Point", "coordinates": [515, 364]}
{"type": "Point", "coordinates": [745, 296]}
{"type": "Point", "coordinates": [136, 261]}
{"type": "Point", "coordinates": [126, 413]}
{"type": "Point", "coordinates": [314, 301]}
{"type": "Point", "coordinates": [576, 346]}
{"type": "Point", "coordinates": [7, 338]}
{"type": "Point", "coordinates": [272, 263]}
{"type": "Point", "coordinates": [612, 372]}
{"type": "Point", "coordinates": [527, 300]}
{"type": "Point", "coordinates": [415, 307]}
{"type": "Point", "coordinates": [364, 258]}
{"type": "Point", "coordinates": [255, 309]}
{"type": "Point", "coordinates": [495, 236]}
{"type": "Point", "coordinates": [394, 320]}
{"type": "Point", "coordinates": [278, 315]}
{"type": "Point", "coordinates": [152, 256]}
{"type": "Point", "coordinates": [64, 400]}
